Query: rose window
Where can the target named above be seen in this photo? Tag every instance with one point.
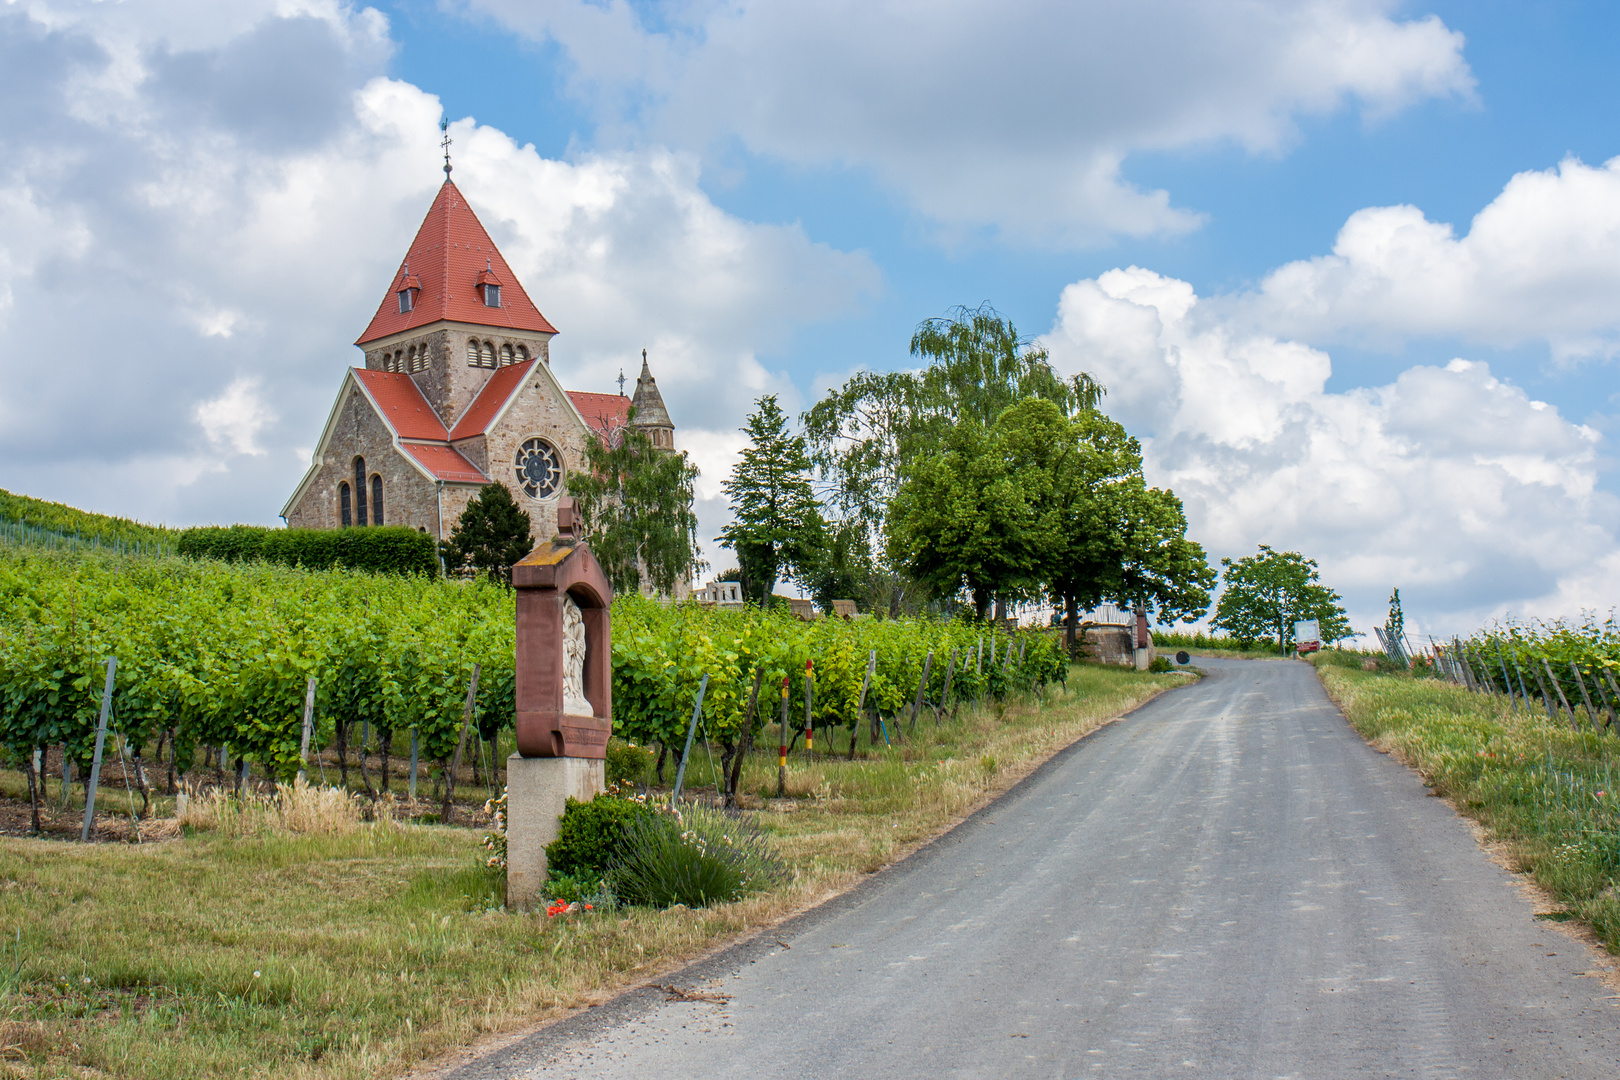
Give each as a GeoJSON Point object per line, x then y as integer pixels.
{"type": "Point", "coordinates": [539, 469]}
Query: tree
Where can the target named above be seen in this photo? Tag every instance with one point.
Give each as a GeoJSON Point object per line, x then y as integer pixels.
{"type": "Point", "coordinates": [1395, 625]}
{"type": "Point", "coordinates": [775, 518]}
{"type": "Point", "coordinates": [1266, 593]}
{"type": "Point", "coordinates": [1120, 540]}
{"type": "Point", "coordinates": [491, 534]}
{"type": "Point", "coordinates": [635, 507]}
{"type": "Point", "coordinates": [979, 514]}
{"type": "Point", "coordinates": [862, 435]}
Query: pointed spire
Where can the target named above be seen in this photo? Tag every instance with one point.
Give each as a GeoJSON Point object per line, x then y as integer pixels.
{"type": "Point", "coordinates": [648, 402]}
{"type": "Point", "coordinates": [443, 263]}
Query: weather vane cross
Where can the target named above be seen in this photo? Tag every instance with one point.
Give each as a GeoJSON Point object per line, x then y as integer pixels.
{"type": "Point", "coordinates": [621, 382]}
{"type": "Point", "coordinates": [444, 127]}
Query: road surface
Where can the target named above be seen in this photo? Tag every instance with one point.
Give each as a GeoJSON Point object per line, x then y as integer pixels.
{"type": "Point", "coordinates": [1227, 883]}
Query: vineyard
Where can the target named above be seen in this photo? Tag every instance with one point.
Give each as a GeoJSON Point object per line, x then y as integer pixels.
{"type": "Point", "coordinates": [219, 656]}
{"type": "Point", "coordinates": [1565, 668]}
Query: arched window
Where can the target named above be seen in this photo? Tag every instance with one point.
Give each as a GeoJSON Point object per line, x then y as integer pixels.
{"type": "Point", "coordinates": [523, 354]}
{"type": "Point", "coordinates": [472, 354]}
{"type": "Point", "coordinates": [345, 514]}
{"type": "Point", "coordinates": [487, 356]}
{"type": "Point", "coordinates": [359, 491]}
{"type": "Point", "coordinates": [376, 500]}
{"type": "Point", "coordinates": [506, 355]}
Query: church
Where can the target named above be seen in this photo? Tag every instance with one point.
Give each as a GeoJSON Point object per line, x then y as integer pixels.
{"type": "Point", "coordinates": [457, 391]}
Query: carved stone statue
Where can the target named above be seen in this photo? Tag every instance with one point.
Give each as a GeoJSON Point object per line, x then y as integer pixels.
{"type": "Point", "coordinates": [574, 701]}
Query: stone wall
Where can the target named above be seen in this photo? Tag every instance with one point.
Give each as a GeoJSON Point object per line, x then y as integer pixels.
{"type": "Point", "coordinates": [409, 497]}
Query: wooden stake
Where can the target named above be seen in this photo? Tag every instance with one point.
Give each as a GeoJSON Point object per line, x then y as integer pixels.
{"type": "Point", "coordinates": [461, 746]}
{"type": "Point", "coordinates": [950, 674]}
{"type": "Point", "coordinates": [309, 719]}
{"type": "Point", "coordinates": [680, 770]}
{"type": "Point", "coordinates": [860, 707]}
{"type": "Point", "coordinates": [747, 743]}
{"type": "Point", "coordinates": [1573, 726]}
{"type": "Point", "coordinates": [922, 686]}
{"type": "Point", "coordinates": [95, 762]}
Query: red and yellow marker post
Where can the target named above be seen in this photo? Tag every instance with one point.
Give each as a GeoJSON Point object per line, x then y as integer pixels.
{"type": "Point", "coordinates": [781, 752]}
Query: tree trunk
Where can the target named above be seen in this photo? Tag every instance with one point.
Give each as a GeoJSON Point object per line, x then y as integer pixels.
{"type": "Point", "coordinates": [343, 752]}
{"type": "Point", "coordinates": [1001, 611]}
{"type": "Point", "coordinates": [658, 769]}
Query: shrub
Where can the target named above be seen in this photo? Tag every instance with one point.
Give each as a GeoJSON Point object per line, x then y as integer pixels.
{"type": "Point", "coordinates": [1161, 664]}
{"type": "Point", "coordinates": [627, 763]}
{"type": "Point", "coordinates": [694, 856]}
{"type": "Point", "coordinates": [380, 549]}
{"type": "Point", "coordinates": [593, 834]}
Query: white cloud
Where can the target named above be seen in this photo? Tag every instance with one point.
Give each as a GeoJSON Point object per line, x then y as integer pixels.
{"type": "Point", "coordinates": [1448, 482]}
{"type": "Point", "coordinates": [187, 258]}
{"type": "Point", "coordinates": [1541, 263]}
{"type": "Point", "coordinates": [1017, 117]}
{"type": "Point", "coordinates": [234, 419]}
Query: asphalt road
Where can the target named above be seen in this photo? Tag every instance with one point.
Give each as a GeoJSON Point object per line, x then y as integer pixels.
{"type": "Point", "coordinates": [1227, 883]}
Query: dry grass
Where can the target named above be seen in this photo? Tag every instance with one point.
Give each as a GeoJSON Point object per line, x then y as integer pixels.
{"type": "Point", "coordinates": [295, 808]}
{"type": "Point", "coordinates": [287, 937]}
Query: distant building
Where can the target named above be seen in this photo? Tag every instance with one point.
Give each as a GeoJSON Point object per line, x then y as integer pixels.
{"type": "Point", "coordinates": [725, 594]}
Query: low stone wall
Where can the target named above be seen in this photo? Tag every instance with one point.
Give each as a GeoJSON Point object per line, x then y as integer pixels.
{"type": "Point", "coordinates": [1111, 645]}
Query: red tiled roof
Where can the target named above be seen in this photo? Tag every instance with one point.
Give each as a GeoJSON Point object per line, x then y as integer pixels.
{"type": "Point", "coordinates": [445, 463]}
{"type": "Point", "coordinates": [402, 404]}
{"type": "Point", "coordinates": [450, 252]}
{"type": "Point", "coordinates": [603, 413]}
{"type": "Point", "coordinates": [481, 413]}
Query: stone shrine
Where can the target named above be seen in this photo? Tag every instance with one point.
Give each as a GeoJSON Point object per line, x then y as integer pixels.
{"type": "Point", "coordinates": [564, 698]}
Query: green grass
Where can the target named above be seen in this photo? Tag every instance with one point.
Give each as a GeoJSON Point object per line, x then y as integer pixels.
{"type": "Point", "coordinates": [1547, 792]}
{"type": "Point", "coordinates": [357, 955]}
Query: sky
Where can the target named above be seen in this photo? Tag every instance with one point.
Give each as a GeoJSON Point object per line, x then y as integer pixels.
{"type": "Point", "coordinates": [1350, 270]}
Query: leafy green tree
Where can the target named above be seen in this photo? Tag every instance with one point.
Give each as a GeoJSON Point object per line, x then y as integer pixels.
{"type": "Point", "coordinates": [635, 507]}
{"type": "Point", "coordinates": [979, 514]}
{"type": "Point", "coordinates": [843, 569]}
{"type": "Point", "coordinates": [1266, 593]}
{"type": "Point", "coordinates": [491, 534]}
{"type": "Point", "coordinates": [862, 434]}
{"type": "Point", "coordinates": [1121, 540]}
{"type": "Point", "coordinates": [776, 521]}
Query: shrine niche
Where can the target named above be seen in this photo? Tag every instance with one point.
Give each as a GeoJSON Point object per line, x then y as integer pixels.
{"type": "Point", "coordinates": [564, 648]}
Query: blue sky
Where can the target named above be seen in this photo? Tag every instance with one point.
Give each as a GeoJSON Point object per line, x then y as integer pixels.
{"type": "Point", "coordinates": [1547, 85]}
{"type": "Point", "coordinates": [1200, 203]}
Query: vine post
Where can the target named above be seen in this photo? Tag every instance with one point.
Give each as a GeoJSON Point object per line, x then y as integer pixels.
{"type": "Point", "coordinates": [95, 762]}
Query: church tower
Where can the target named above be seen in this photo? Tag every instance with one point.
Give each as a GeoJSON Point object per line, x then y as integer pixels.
{"type": "Point", "coordinates": [652, 418]}
{"type": "Point", "coordinates": [455, 312]}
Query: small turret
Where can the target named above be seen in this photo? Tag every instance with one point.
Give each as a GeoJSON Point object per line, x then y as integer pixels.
{"type": "Point", "coordinates": [651, 416]}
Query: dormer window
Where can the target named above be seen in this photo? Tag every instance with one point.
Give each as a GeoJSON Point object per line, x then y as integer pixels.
{"type": "Point", "coordinates": [491, 286]}
{"type": "Point", "coordinates": [409, 286]}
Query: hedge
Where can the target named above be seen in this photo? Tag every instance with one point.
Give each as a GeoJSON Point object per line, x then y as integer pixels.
{"type": "Point", "coordinates": [382, 549]}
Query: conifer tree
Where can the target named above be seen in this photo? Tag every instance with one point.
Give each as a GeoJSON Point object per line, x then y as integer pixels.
{"type": "Point", "coordinates": [491, 535]}
{"type": "Point", "coordinates": [776, 522]}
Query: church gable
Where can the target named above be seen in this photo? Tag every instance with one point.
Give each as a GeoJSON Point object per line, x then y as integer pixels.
{"type": "Point", "coordinates": [360, 476]}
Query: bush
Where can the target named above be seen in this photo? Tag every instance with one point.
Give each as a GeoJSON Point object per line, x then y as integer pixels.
{"type": "Point", "coordinates": [593, 834]}
{"type": "Point", "coordinates": [380, 549]}
{"type": "Point", "coordinates": [627, 763]}
{"type": "Point", "coordinates": [695, 856]}
{"type": "Point", "coordinates": [1161, 664]}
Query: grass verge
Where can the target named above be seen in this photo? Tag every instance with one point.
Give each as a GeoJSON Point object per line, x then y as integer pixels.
{"type": "Point", "coordinates": [1545, 792]}
{"type": "Point", "coordinates": [362, 949]}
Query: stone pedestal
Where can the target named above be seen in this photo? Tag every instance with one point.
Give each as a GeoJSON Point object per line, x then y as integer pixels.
{"type": "Point", "coordinates": [536, 791]}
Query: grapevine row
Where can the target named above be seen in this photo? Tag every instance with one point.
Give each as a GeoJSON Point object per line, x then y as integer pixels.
{"type": "Point", "coordinates": [219, 655]}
